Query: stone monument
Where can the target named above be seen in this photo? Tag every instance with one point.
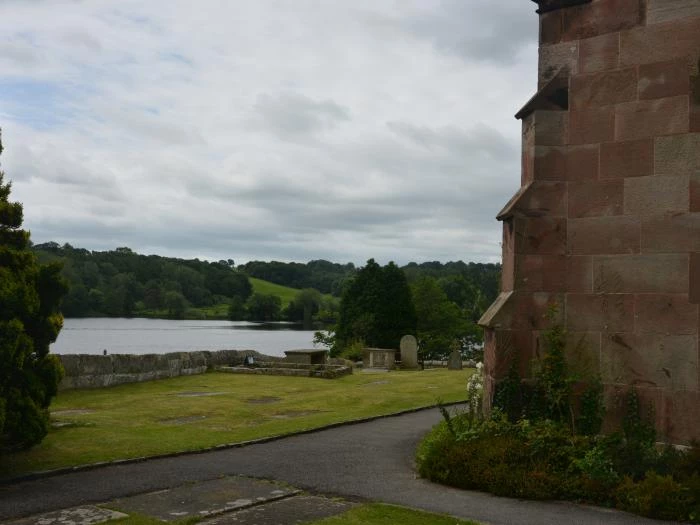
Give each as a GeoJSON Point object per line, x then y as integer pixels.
{"type": "Point", "coordinates": [605, 225]}
{"type": "Point", "coordinates": [409, 352]}
{"type": "Point", "coordinates": [455, 361]}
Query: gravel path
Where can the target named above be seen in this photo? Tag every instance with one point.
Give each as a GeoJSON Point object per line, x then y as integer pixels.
{"type": "Point", "coordinates": [372, 460]}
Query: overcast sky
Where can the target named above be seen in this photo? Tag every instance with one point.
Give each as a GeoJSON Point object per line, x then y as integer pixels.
{"type": "Point", "coordinates": [259, 129]}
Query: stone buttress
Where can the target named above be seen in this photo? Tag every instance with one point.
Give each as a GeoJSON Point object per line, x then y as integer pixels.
{"type": "Point", "coordinates": [606, 223]}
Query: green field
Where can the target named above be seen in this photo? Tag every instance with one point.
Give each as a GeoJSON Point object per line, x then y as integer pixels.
{"type": "Point", "coordinates": [196, 412]}
{"type": "Point", "coordinates": [220, 311]}
{"type": "Point", "coordinates": [285, 293]}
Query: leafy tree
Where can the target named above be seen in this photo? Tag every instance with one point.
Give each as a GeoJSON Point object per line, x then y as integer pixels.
{"type": "Point", "coordinates": [376, 308]}
{"type": "Point", "coordinates": [440, 321]}
{"type": "Point", "coordinates": [236, 309]}
{"type": "Point", "coordinates": [263, 307]}
{"type": "Point", "coordinates": [304, 307]}
{"type": "Point", "coordinates": [176, 304]}
{"type": "Point", "coordinates": [29, 322]}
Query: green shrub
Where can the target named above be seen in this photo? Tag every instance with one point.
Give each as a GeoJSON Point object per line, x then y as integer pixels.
{"type": "Point", "coordinates": [655, 496]}
{"type": "Point", "coordinates": [353, 351]}
{"type": "Point", "coordinates": [536, 445]}
{"type": "Point", "coordinates": [592, 409]}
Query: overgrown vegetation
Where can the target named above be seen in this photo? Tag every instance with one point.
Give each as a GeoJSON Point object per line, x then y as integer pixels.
{"type": "Point", "coordinates": [29, 323]}
{"type": "Point", "coordinates": [542, 442]}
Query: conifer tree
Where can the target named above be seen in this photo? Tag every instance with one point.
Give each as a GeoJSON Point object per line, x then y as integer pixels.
{"type": "Point", "coordinates": [376, 308]}
{"type": "Point", "coordinates": [29, 322]}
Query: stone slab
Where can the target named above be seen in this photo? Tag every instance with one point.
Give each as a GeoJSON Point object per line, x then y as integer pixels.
{"type": "Point", "coordinates": [205, 498]}
{"type": "Point", "coordinates": [289, 511]}
{"type": "Point", "coordinates": [645, 273]}
{"type": "Point", "coordinates": [650, 118]}
{"type": "Point", "coordinates": [455, 361]}
{"type": "Point", "coordinates": [592, 125]}
{"type": "Point", "coordinates": [626, 159]}
{"type": "Point", "coordinates": [654, 195]}
{"type": "Point", "coordinates": [667, 10]}
{"type": "Point", "coordinates": [86, 515]}
{"type": "Point", "coordinates": [664, 79]}
{"type": "Point", "coordinates": [652, 360]}
{"type": "Point", "coordinates": [677, 155]}
{"type": "Point", "coordinates": [409, 352]}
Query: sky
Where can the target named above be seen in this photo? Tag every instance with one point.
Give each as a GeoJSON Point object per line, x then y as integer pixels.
{"type": "Point", "coordinates": [286, 130]}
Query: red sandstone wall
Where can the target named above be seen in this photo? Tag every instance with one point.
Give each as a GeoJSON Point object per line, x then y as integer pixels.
{"type": "Point", "coordinates": [606, 224]}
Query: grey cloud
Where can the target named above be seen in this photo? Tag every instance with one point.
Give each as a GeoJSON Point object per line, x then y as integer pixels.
{"type": "Point", "coordinates": [380, 143]}
{"type": "Point", "coordinates": [493, 30]}
{"type": "Point", "coordinates": [289, 115]}
{"type": "Point", "coordinates": [479, 139]}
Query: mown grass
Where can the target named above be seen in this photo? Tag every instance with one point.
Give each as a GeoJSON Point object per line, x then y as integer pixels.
{"type": "Point", "coordinates": [370, 514]}
{"type": "Point", "coordinates": [380, 514]}
{"type": "Point", "coordinates": [146, 419]}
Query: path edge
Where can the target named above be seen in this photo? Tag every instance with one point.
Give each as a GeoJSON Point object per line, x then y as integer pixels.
{"type": "Point", "coordinates": [42, 474]}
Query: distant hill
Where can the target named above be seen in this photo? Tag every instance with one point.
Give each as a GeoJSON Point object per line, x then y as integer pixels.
{"type": "Point", "coordinates": [285, 293]}
{"type": "Point", "coordinates": [122, 283]}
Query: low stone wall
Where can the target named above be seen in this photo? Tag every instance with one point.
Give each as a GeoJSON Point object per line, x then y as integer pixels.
{"type": "Point", "coordinates": [98, 371]}
{"type": "Point", "coordinates": [290, 369]}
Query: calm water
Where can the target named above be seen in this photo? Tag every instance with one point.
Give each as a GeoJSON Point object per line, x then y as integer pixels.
{"type": "Point", "coordinates": [160, 336]}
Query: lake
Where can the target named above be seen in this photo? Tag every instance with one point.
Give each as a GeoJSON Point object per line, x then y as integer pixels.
{"type": "Point", "coordinates": [160, 336]}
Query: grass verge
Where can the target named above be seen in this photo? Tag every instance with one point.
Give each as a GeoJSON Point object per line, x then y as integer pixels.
{"type": "Point", "coordinates": [196, 412]}
{"type": "Point", "coordinates": [370, 514]}
{"type": "Point", "coordinates": [381, 514]}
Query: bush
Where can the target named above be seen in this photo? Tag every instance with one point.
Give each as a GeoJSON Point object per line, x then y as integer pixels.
{"type": "Point", "coordinates": [354, 351]}
{"type": "Point", "coordinates": [536, 445]}
{"type": "Point", "coordinates": [655, 496]}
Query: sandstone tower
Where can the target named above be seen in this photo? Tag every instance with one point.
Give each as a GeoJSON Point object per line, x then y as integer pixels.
{"type": "Point", "coordinates": [606, 224]}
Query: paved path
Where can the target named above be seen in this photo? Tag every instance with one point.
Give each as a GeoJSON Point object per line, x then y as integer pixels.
{"type": "Point", "coordinates": [371, 460]}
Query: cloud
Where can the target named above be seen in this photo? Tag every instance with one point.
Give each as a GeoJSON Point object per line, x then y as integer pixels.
{"type": "Point", "coordinates": [290, 115]}
{"type": "Point", "coordinates": [288, 130]}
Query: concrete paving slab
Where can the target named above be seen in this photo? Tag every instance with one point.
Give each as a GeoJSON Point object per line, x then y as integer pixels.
{"type": "Point", "coordinates": [204, 498]}
{"type": "Point", "coordinates": [85, 515]}
{"type": "Point", "coordinates": [288, 511]}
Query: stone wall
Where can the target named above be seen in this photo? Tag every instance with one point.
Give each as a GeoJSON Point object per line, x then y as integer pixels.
{"type": "Point", "coordinates": [98, 371]}
{"type": "Point", "coordinates": [606, 224]}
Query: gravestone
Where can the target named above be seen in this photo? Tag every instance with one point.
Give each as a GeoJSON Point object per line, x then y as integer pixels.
{"type": "Point", "coordinates": [455, 361]}
{"type": "Point", "coordinates": [409, 352]}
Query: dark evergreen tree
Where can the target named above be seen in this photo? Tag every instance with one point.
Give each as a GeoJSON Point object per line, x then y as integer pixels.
{"type": "Point", "coordinates": [376, 308]}
{"type": "Point", "coordinates": [30, 321]}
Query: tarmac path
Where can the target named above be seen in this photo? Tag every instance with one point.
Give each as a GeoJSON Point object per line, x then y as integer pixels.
{"type": "Point", "coordinates": [370, 461]}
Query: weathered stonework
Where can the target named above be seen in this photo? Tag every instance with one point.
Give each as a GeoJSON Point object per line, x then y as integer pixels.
{"type": "Point", "coordinates": [606, 224]}
{"type": "Point", "coordinates": [99, 371]}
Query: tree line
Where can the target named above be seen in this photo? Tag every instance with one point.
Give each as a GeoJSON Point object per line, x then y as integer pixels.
{"type": "Point", "coordinates": [122, 283]}
{"type": "Point", "coordinates": [440, 304]}
{"type": "Point", "coordinates": [324, 276]}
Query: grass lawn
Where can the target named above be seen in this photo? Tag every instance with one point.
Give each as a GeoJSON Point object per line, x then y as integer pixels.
{"type": "Point", "coordinates": [195, 412]}
{"type": "Point", "coordinates": [370, 514]}
{"type": "Point", "coordinates": [380, 514]}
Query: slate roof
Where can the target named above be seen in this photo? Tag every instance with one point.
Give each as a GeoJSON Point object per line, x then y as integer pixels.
{"type": "Point", "coordinates": [552, 5]}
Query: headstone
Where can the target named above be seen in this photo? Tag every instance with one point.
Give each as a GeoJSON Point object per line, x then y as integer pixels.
{"type": "Point", "coordinates": [409, 352]}
{"type": "Point", "coordinates": [455, 361]}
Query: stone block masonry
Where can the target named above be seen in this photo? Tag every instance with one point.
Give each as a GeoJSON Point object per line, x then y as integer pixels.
{"type": "Point", "coordinates": [606, 224]}
{"type": "Point", "coordinates": [99, 371]}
